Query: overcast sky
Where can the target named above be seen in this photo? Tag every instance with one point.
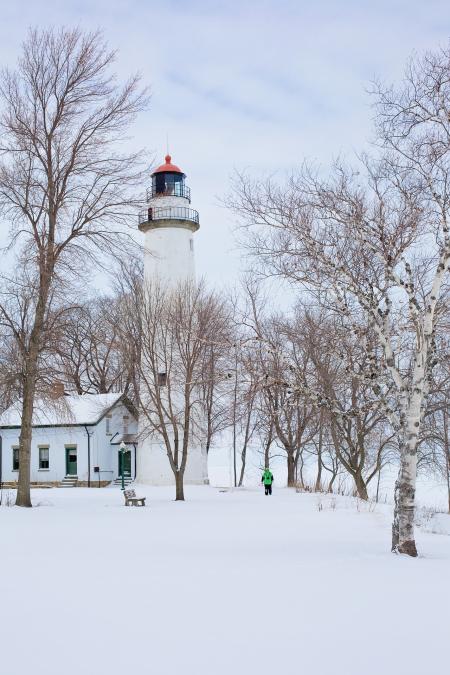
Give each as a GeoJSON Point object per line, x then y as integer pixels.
{"type": "Point", "coordinates": [260, 84]}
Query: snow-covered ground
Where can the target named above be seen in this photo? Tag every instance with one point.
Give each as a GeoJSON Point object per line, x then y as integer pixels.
{"type": "Point", "coordinates": [225, 583]}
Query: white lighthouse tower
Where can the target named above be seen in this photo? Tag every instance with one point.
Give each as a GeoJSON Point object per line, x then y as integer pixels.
{"type": "Point", "coordinates": [168, 224]}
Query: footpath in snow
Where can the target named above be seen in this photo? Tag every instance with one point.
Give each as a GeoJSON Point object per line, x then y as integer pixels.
{"type": "Point", "coordinates": [225, 583]}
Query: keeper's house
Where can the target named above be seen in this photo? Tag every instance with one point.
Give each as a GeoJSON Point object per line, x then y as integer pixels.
{"type": "Point", "coordinates": [75, 442]}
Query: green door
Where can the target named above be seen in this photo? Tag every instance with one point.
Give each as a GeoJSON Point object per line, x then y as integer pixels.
{"type": "Point", "coordinates": [71, 461]}
{"type": "Point", "coordinates": [126, 463]}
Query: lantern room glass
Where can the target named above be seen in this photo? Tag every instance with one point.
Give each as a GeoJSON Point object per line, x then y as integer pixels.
{"type": "Point", "coordinates": [168, 183]}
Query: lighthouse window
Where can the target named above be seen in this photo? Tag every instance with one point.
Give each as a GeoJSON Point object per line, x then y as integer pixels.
{"type": "Point", "coordinates": [168, 184]}
{"type": "Point", "coordinates": [191, 244]}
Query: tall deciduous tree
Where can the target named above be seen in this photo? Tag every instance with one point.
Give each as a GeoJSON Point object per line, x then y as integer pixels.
{"type": "Point", "coordinates": [64, 179]}
{"type": "Point", "coordinates": [178, 327]}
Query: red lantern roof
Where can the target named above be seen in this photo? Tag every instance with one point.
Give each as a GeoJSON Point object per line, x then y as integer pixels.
{"type": "Point", "coordinates": [168, 166]}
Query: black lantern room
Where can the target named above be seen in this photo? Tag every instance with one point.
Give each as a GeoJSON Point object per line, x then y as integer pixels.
{"type": "Point", "coordinates": [168, 180]}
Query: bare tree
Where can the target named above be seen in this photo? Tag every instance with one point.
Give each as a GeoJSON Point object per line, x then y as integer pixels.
{"type": "Point", "coordinates": [292, 416]}
{"type": "Point", "coordinates": [89, 355]}
{"type": "Point", "coordinates": [244, 407]}
{"type": "Point", "coordinates": [272, 351]}
{"type": "Point", "coordinates": [178, 327]}
{"type": "Point", "coordinates": [217, 369]}
{"type": "Point", "coordinates": [64, 182]}
{"type": "Point", "coordinates": [362, 439]}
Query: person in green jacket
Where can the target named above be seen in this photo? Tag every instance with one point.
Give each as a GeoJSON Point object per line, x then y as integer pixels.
{"type": "Point", "coordinates": [267, 479]}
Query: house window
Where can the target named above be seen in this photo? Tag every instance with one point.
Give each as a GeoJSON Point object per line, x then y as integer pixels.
{"type": "Point", "coordinates": [126, 420]}
{"type": "Point", "coordinates": [15, 459]}
{"type": "Point", "coordinates": [108, 425]}
{"type": "Point", "coordinates": [44, 460]}
{"type": "Point", "coordinates": [162, 379]}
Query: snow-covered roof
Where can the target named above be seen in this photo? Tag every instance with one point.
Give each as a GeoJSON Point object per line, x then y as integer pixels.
{"type": "Point", "coordinates": [66, 410]}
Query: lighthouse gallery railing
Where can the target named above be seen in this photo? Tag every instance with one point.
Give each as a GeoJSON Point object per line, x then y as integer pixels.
{"type": "Point", "coordinates": [169, 213]}
{"type": "Point", "coordinates": [172, 190]}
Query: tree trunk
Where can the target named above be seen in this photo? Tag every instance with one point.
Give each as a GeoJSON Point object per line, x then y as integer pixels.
{"type": "Point", "coordinates": [291, 470]}
{"type": "Point", "coordinates": [331, 483]}
{"type": "Point", "coordinates": [447, 452]}
{"type": "Point", "coordinates": [318, 484]}
{"type": "Point", "coordinates": [405, 486]}
{"type": "Point", "coordinates": [23, 488]}
{"type": "Point", "coordinates": [233, 459]}
{"type": "Point", "coordinates": [378, 485]}
{"type": "Point", "coordinates": [404, 496]}
{"type": "Point", "coordinates": [179, 486]}
{"type": "Point", "coordinates": [23, 497]}
{"type": "Point", "coordinates": [302, 465]}
{"type": "Point", "coordinates": [267, 451]}
{"type": "Point", "coordinates": [361, 487]}
{"type": "Point", "coordinates": [243, 461]}
{"type": "Point", "coordinates": [235, 397]}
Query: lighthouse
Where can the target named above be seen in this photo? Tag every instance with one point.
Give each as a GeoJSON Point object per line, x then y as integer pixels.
{"type": "Point", "coordinates": [168, 223]}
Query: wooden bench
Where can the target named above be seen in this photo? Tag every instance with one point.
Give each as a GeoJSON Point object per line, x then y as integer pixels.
{"type": "Point", "coordinates": [130, 498]}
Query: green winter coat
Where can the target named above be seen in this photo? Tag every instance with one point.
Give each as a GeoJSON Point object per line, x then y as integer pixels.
{"type": "Point", "coordinates": [267, 477]}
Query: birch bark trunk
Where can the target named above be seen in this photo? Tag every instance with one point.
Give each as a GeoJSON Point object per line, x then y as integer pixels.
{"type": "Point", "coordinates": [405, 486]}
{"type": "Point", "coordinates": [447, 452]}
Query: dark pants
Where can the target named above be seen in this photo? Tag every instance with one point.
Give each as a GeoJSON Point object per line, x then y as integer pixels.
{"type": "Point", "coordinates": [268, 489]}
